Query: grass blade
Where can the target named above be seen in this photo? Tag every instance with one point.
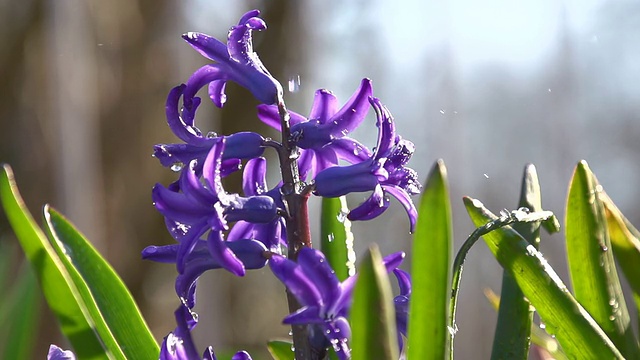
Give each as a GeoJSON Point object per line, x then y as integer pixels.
{"type": "Point", "coordinates": [515, 316]}
{"type": "Point", "coordinates": [577, 332]}
{"type": "Point", "coordinates": [591, 266]}
{"type": "Point", "coordinates": [432, 244]}
{"type": "Point", "coordinates": [116, 307]}
{"type": "Point", "coordinates": [281, 350]}
{"type": "Point", "coordinates": [372, 319]}
{"type": "Point", "coordinates": [56, 282]}
{"type": "Point", "coordinates": [336, 237]}
{"type": "Point", "coordinates": [625, 241]}
{"type": "Point", "coordinates": [539, 337]}
{"type": "Point", "coordinates": [20, 311]}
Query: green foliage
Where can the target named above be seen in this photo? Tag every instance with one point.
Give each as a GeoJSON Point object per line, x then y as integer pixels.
{"type": "Point", "coordinates": [432, 244]}
{"type": "Point", "coordinates": [336, 237]}
{"type": "Point", "coordinates": [591, 266]}
{"type": "Point", "coordinates": [576, 330]}
{"type": "Point", "coordinates": [515, 316]}
{"type": "Point", "coordinates": [281, 350]}
{"type": "Point", "coordinates": [19, 308]}
{"type": "Point", "coordinates": [80, 287]}
{"type": "Point", "coordinates": [372, 315]}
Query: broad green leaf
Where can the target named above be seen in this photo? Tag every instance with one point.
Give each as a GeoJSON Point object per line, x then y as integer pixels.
{"type": "Point", "coordinates": [430, 267]}
{"type": "Point", "coordinates": [281, 350]}
{"type": "Point", "coordinates": [57, 285]}
{"type": "Point", "coordinates": [20, 311]}
{"type": "Point", "coordinates": [372, 319]}
{"type": "Point", "coordinates": [539, 337]}
{"type": "Point", "coordinates": [577, 332]}
{"type": "Point", "coordinates": [513, 331]}
{"type": "Point", "coordinates": [114, 302]}
{"type": "Point", "coordinates": [336, 237]}
{"type": "Point", "coordinates": [625, 241]}
{"type": "Point", "coordinates": [591, 266]}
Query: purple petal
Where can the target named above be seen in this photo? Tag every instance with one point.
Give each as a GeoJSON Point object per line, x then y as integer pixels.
{"type": "Point", "coordinates": [241, 355]}
{"type": "Point", "coordinates": [353, 112]}
{"type": "Point", "coordinates": [254, 181]}
{"type": "Point", "coordinates": [202, 77]}
{"type": "Point", "coordinates": [325, 105]}
{"type": "Point", "coordinates": [268, 114]}
{"type": "Point", "coordinates": [222, 254]}
{"type": "Point", "coordinates": [350, 150]}
{"type": "Point", "coordinates": [207, 46]}
{"type": "Point", "coordinates": [341, 180]}
{"type": "Point", "coordinates": [164, 254]}
{"type": "Point", "coordinates": [187, 245]}
{"type": "Point", "coordinates": [375, 205]}
{"type": "Point", "coordinates": [209, 354]}
{"type": "Point", "coordinates": [243, 145]}
{"type": "Point", "coordinates": [248, 15]}
{"type": "Point", "coordinates": [259, 209]}
{"type": "Point", "coordinates": [177, 126]}
{"type": "Point", "coordinates": [216, 92]}
{"type": "Point", "coordinates": [56, 353]}
{"type": "Point", "coordinates": [303, 316]}
{"type": "Point", "coordinates": [386, 129]}
{"type": "Point", "coordinates": [192, 187]}
{"type": "Point", "coordinates": [392, 261]}
{"type": "Point", "coordinates": [241, 230]}
{"type": "Point", "coordinates": [211, 169]}
{"type": "Point", "coordinates": [176, 206]}
{"type": "Point", "coordinates": [292, 276]}
{"type": "Point", "coordinates": [406, 202]}
{"type": "Point", "coordinates": [306, 164]}
{"type": "Point", "coordinates": [338, 332]}
{"type": "Point", "coordinates": [404, 281]}
{"type": "Point", "coordinates": [315, 265]}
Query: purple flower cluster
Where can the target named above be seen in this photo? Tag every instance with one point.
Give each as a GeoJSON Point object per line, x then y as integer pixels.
{"type": "Point", "coordinates": [214, 229]}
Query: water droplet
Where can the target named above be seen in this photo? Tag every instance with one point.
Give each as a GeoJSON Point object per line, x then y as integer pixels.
{"type": "Point", "coordinates": [330, 237]}
{"type": "Point", "coordinates": [453, 330]}
{"type": "Point", "coordinates": [486, 176]}
{"type": "Point", "coordinates": [212, 134]}
{"type": "Point", "coordinates": [549, 90]}
{"type": "Point", "coordinates": [612, 318]}
{"type": "Point", "coordinates": [290, 333]}
{"type": "Point", "coordinates": [442, 111]}
{"type": "Point", "coordinates": [543, 326]}
{"type": "Point", "coordinates": [294, 83]}
{"type": "Point", "coordinates": [604, 248]}
{"type": "Point", "coordinates": [342, 216]}
{"type": "Point", "coordinates": [177, 167]}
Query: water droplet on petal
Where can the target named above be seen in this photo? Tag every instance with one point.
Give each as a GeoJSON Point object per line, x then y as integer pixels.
{"type": "Point", "coordinates": [177, 167]}
{"type": "Point", "coordinates": [294, 83]}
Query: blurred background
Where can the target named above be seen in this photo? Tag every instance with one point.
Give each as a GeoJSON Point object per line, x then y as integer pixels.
{"type": "Point", "coordinates": [487, 86]}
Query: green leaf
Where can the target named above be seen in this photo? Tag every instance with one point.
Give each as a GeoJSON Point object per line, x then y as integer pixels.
{"type": "Point", "coordinates": [281, 350]}
{"type": "Point", "coordinates": [19, 313]}
{"type": "Point", "coordinates": [118, 312]}
{"type": "Point", "coordinates": [57, 285]}
{"type": "Point", "coordinates": [577, 332]}
{"type": "Point", "coordinates": [432, 244]}
{"type": "Point", "coordinates": [336, 237]}
{"type": "Point", "coordinates": [515, 316]}
{"type": "Point", "coordinates": [591, 266]}
{"type": "Point", "coordinates": [372, 314]}
{"type": "Point", "coordinates": [539, 337]}
{"type": "Point", "coordinates": [625, 241]}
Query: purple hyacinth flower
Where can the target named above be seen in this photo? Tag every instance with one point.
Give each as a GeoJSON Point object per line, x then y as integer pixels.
{"type": "Point", "coordinates": [242, 145]}
{"type": "Point", "coordinates": [383, 173]}
{"type": "Point", "coordinates": [56, 353]}
{"type": "Point", "coordinates": [325, 300]}
{"type": "Point", "coordinates": [401, 303]}
{"type": "Point", "coordinates": [179, 345]}
{"type": "Point", "coordinates": [235, 61]}
{"type": "Point", "coordinates": [248, 251]}
{"type": "Point", "coordinates": [273, 234]}
{"type": "Point", "coordinates": [323, 135]}
{"type": "Point", "coordinates": [200, 207]}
